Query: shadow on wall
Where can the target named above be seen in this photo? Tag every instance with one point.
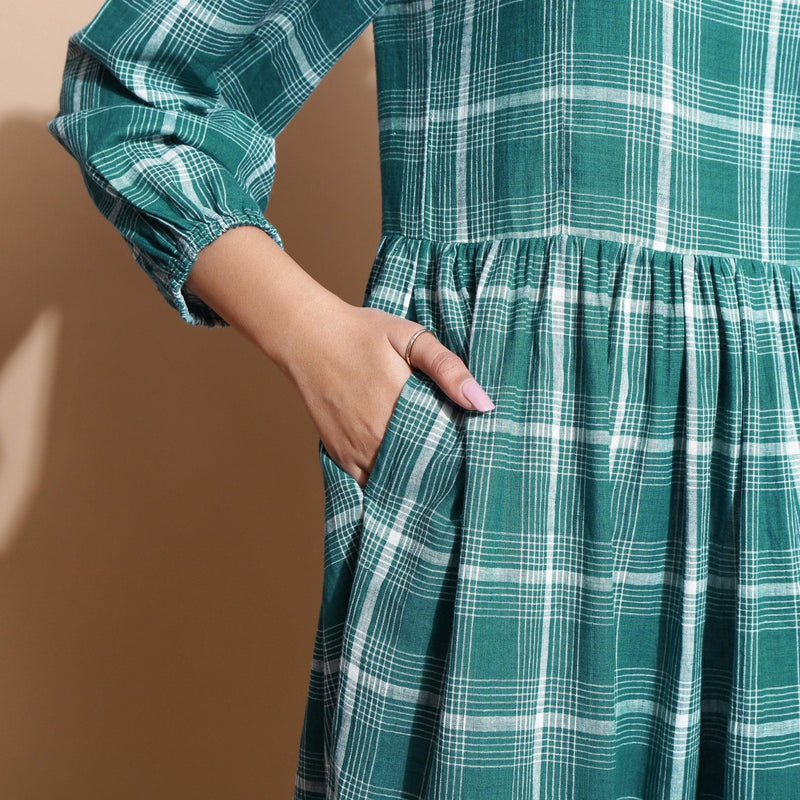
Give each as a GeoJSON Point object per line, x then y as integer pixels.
{"type": "Point", "coordinates": [160, 588]}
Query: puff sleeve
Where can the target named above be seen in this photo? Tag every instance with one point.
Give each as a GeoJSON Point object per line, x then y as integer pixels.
{"type": "Point", "coordinates": [171, 109]}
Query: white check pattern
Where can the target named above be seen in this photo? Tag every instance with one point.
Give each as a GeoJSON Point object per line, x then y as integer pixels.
{"type": "Point", "coordinates": [592, 592]}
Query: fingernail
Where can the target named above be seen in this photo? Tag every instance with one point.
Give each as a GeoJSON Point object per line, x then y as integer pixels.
{"type": "Point", "coordinates": [473, 392]}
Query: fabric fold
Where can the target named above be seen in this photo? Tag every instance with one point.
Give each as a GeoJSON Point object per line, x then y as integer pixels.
{"type": "Point", "coordinates": [595, 586]}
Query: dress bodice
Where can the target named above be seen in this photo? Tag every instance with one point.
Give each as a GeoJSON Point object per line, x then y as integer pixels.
{"type": "Point", "coordinates": [672, 124]}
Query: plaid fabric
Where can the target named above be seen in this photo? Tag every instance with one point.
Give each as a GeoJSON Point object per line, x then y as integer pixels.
{"type": "Point", "coordinates": [592, 592]}
{"type": "Point", "coordinates": [171, 108]}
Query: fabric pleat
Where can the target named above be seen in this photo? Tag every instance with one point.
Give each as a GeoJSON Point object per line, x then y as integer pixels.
{"type": "Point", "coordinates": [592, 591]}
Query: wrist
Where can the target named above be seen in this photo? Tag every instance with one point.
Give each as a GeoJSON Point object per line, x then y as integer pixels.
{"type": "Point", "coordinates": [294, 338]}
{"type": "Point", "coordinates": [265, 295]}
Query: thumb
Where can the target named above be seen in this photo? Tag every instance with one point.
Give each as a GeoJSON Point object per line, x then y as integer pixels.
{"type": "Point", "coordinates": [448, 371]}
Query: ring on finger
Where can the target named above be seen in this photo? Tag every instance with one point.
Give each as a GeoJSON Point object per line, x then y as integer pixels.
{"type": "Point", "coordinates": [411, 341]}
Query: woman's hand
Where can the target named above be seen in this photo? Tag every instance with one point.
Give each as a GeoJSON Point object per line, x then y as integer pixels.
{"type": "Point", "coordinates": [350, 371]}
{"type": "Point", "coordinates": [347, 362]}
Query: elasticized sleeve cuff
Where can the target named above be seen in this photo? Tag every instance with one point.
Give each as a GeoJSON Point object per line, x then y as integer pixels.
{"type": "Point", "coordinates": [191, 308]}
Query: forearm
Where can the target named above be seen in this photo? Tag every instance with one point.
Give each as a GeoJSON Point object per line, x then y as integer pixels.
{"type": "Point", "coordinates": [262, 292]}
{"type": "Point", "coordinates": [346, 362]}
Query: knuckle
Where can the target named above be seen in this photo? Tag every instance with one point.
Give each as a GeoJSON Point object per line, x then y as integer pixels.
{"type": "Point", "coordinates": [446, 363]}
{"type": "Point", "coordinates": [376, 434]}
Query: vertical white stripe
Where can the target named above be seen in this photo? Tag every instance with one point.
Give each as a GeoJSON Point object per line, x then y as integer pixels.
{"type": "Point", "coordinates": [624, 549]}
{"type": "Point", "coordinates": [666, 128]}
{"type": "Point", "coordinates": [766, 125]}
{"type": "Point", "coordinates": [545, 679]}
{"type": "Point", "coordinates": [287, 26]}
{"type": "Point", "coordinates": [77, 91]}
{"type": "Point", "coordinates": [421, 212]}
{"type": "Point", "coordinates": [693, 582]}
{"type": "Point", "coordinates": [140, 78]}
{"type": "Point", "coordinates": [626, 315]}
{"type": "Point", "coordinates": [465, 74]}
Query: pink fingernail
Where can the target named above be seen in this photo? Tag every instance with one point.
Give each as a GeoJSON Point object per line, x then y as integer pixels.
{"type": "Point", "coordinates": [473, 392]}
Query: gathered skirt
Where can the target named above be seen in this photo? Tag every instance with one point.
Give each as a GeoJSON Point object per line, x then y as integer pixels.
{"type": "Point", "coordinates": [593, 591]}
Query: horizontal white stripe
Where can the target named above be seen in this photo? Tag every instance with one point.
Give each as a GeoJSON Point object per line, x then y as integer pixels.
{"type": "Point", "coordinates": [756, 128]}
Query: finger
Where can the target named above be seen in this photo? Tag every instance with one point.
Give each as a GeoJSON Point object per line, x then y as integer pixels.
{"type": "Point", "coordinates": [362, 477]}
{"type": "Point", "coordinates": [449, 372]}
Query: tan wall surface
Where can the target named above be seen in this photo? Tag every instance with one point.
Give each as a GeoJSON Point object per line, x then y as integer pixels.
{"type": "Point", "coordinates": [161, 504]}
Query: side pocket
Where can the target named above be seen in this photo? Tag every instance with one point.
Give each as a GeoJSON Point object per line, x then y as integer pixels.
{"type": "Point", "coordinates": [395, 420]}
{"type": "Point", "coordinates": [416, 423]}
{"type": "Point", "coordinates": [344, 531]}
{"type": "Point", "coordinates": [332, 473]}
{"type": "Point", "coordinates": [344, 510]}
{"type": "Point", "coordinates": [415, 426]}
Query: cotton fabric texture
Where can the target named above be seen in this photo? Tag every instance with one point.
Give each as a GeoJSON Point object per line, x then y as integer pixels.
{"type": "Point", "coordinates": [593, 591]}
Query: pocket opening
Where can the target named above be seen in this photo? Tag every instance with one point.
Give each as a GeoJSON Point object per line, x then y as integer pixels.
{"type": "Point", "coordinates": [387, 443]}
{"type": "Point", "coordinates": [384, 446]}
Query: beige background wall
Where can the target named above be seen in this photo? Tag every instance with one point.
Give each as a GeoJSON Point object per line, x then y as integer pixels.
{"type": "Point", "coordinates": [161, 506]}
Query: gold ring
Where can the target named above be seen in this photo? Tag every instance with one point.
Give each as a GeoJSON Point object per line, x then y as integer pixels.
{"type": "Point", "coordinates": [411, 344]}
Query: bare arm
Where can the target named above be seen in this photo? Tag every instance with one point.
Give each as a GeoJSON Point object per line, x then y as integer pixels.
{"type": "Point", "coordinates": [328, 348]}
{"type": "Point", "coordinates": [262, 292]}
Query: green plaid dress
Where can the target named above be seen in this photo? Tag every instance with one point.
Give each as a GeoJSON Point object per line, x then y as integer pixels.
{"type": "Point", "coordinates": [592, 592]}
